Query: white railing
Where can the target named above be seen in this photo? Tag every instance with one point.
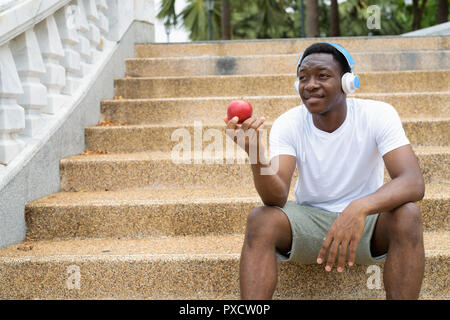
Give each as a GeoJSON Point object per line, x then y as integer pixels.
{"type": "Point", "coordinates": [48, 48]}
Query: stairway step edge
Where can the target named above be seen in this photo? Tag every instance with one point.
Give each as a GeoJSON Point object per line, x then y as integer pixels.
{"type": "Point", "coordinates": [433, 191]}
{"type": "Point", "coordinates": [227, 98]}
{"type": "Point", "coordinates": [381, 73]}
{"type": "Point", "coordinates": [172, 125]}
{"type": "Point", "coordinates": [193, 247]}
{"type": "Point", "coordinates": [166, 155]}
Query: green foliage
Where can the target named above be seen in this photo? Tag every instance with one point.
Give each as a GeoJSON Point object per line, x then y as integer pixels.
{"type": "Point", "coordinates": [253, 19]}
{"type": "Point", "coordinates": [167, 12]}
{"type": "Point", "coordinates": [430, 15]}
{"type": "Point", "coordinates": [354, 15]}
{"type": "Point", "coordinates": [257, 19]}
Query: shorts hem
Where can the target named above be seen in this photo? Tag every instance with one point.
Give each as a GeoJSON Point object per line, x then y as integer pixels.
{"type": "Point", "coordinates": [309, 225]}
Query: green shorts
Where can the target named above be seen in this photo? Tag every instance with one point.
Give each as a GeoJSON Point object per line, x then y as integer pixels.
{"type": "Point", "coordinates": [310, 225]}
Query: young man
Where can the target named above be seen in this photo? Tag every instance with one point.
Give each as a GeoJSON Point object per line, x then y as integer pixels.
{"type": "Point", "coordinates": [343, 212]}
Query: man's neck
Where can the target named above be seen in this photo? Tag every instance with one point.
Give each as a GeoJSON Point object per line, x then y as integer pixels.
{"type": "Point", "coordinates": [331, 120]}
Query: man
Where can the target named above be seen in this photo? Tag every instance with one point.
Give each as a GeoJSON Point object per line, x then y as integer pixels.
{"type": "Point", "coordinates": [343, 212]}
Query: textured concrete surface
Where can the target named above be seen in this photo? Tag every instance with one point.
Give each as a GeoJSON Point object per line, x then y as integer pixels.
{"type": "Point", "coordinates": [179, 267]}
{"type": "Point", "coordinates": [279, 64]}
{"type": "Point", "coordinates": [157, 170]}
{"type": "Point", "coordinates": [170, 111]}
{"type": "Point", "coordinates": [140, 138]}
{"type": "Point", "coordinates": [147, 213]}
{"type": "Point", "coordinates": [250, 85]}
{"type": "Point", "coordinates": [286, 46]}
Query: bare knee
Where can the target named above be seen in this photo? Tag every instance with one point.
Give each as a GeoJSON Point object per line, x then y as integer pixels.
{"type": "Point", "coordinates": [267, 226]}
{"type": "Point", "coordinates": [406, 226]}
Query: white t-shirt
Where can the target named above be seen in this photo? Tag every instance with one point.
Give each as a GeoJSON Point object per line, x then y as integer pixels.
{"type": "Point", "coordinates": [344, 165]}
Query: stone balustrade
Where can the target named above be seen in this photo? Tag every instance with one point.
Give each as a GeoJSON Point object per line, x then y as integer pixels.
{"type": "Point", "coordinates": [47, 50]}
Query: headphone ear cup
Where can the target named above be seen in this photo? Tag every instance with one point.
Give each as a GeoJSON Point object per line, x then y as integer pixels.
{"type": "Point", "coordinates": [350, 83]}
{"type": "Point", "coordinates": [296, 84]}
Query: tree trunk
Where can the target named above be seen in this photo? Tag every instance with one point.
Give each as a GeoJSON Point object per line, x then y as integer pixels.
{"type": "Point", "coordinates": [312, 18]}
{"type": "Point", "coordinates": [334, 19]}
{"type": "Point", "coordinates": [417, 13]}
{"type": "Point", "coordinates": [226, 31]}
{"type": "Point", "coordinates": [442, 15]}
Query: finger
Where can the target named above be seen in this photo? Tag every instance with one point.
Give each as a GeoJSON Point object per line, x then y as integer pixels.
{"type": "Point", "coordinates": [352, 252]}
{"type": "Point", "coordinates": [323, 250]}
{"type": "Point", "coordinates": [342, 255]}
{"type": "Point", "coordinates": [332, 254]}
{"type": "Point", "coordinates": [258, 123]}
{"type": "Point", "coordinates": [233, 123]}
{"type": "Point", "coordinates": [247, 123]}
{"type": "Point", "coordinates": [256, 128]}
{"type": "Point", "coordinates": [225, 119]}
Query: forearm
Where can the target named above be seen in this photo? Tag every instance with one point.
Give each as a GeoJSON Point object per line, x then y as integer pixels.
{"type": "Point", "coordinates": [393, 194]}
{"type": "Point", "coordinates": [271, 188]}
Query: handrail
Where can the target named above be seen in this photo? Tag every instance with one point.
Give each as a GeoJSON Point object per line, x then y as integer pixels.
{"type": "Point", "coordinates": [49, 51]}
{"type": "Point", "coordinates": [19, 16]}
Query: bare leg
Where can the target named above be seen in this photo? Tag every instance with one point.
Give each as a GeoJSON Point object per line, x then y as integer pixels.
{"type": "Point", "coordinates": [400, 234]}
{"type": "Point", "coordinates": [268, 228]}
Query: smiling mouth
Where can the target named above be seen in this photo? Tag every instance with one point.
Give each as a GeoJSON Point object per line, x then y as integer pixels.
{"type": "Point", "coordinates": [314, 97]}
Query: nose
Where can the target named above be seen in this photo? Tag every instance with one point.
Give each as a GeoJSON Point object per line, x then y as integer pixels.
{"type": "Point", "coordinates": [311, 84]}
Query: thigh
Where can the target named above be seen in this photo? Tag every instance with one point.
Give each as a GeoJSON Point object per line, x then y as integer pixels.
{"type": "Point", "coordinates": [309, 226]}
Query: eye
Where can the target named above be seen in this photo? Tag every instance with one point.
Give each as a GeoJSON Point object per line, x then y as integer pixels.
{"type": "Point", "coordinates": [324, 75]}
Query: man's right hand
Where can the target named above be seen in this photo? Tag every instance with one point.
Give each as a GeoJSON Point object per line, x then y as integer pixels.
{"type": "Point", "coordinates": [272, 178]}
{"type": "Point", "coordinates": [247, 135]}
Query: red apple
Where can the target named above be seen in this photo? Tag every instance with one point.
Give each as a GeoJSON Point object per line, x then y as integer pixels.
{"type": "Point", "coordinates": [241, 109]}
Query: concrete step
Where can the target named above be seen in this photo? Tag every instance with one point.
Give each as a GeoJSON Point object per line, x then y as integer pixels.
{"type": "Point", "coordinates": [280, 64]}
{"type": "Point", "coordinates": [173, 212]}
{"type": "Point", "coordinates": [286, 46]}
{"type": "Point", "coordinates": [139, 138]}
{"type": "Point", "coordinates": [179, 267]}
{"type": "Point", "coordinates": [106, 172]}
{"type": "Point", "coordinates": [175, 110]}
{"type": "Point", "coordinates": [269, 85]}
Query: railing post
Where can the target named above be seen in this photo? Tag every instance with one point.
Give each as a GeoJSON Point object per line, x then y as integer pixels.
{"type": "Point", "coordinates": [103, 22]}
{"type": "Point", "coordinates": [84, 47]}
{"type": "Point", "coordinates": [66, 20]}
{"type": "Point", "coordinates": [31, 68]}
{"type": "Point", "coordinates": [12, 116]}
{"type": "Point", "coordinates": [94, 32]}
{"type": "Point", "coordinates": [52, 52]}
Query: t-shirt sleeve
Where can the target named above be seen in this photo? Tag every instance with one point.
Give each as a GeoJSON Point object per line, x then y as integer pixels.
{"type": "Point", "coordinates": [281, 140]}
{"type": "Point", "coordinates": [389, 132]}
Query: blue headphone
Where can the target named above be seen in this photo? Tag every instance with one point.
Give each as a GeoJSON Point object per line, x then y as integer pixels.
{"type": "Point", "coordinates": [349, 81]}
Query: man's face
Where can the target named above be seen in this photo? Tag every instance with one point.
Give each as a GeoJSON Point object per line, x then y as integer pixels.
{"type": "Point", "coordinates": [320, 82]}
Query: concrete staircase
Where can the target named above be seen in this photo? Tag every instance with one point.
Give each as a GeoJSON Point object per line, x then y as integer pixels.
{"type": "Point", "coordinates": [130, 223]}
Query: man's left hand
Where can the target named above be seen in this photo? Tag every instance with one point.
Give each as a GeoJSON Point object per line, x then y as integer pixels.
{"type": "Point", "coordinates": [344, 234]}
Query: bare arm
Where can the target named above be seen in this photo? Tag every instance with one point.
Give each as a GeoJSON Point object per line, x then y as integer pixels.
{"type": "Point", "coordinates": [272, 179]}
{"type": "Point", "coordinates": [274, 188]}
{"type": "Point", "coordinates": [407, 184]}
